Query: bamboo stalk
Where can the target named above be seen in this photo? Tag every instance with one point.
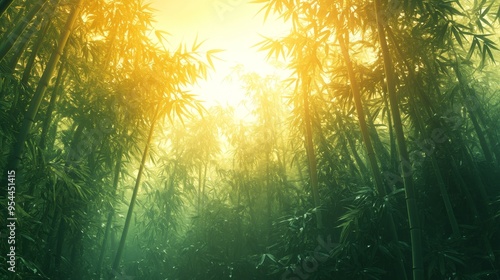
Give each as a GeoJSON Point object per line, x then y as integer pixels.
{"type": "Point", "coordinates": [17, 31]}
{"type": "Point", "coordinates": [4, 5]}
{"type": "Point", "coordinates": [311, 157]}
{"type": "Point", "coordinates": [128, 219]}
{"type": "Point", "coordinates": [29, 117]}
{"type": "Point", "coordinates": [411, 202]}
{"type": "Point", "coordinates": [116, 179]}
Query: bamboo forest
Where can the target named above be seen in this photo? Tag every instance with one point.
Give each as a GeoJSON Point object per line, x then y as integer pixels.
{"type": "Point", "coordinates": [361, 141]}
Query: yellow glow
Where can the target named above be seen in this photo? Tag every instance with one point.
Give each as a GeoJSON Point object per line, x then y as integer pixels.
{"type": "Point", "coordinates": [232, 25]}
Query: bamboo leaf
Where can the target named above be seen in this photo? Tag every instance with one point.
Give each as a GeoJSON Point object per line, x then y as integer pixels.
{"type": "Point", "coordinates": [196, 45]}
{"type": "Point", "coordinates": [485, 11]}
{"type": "Point", "coordinates": [210, 55]}
{"type": "Point", "coordinates": [471, 49]}
{"type": "Point", "coordinates": [486, 48]}
{"type": "Point", "coordinates": [457, 35]}
{"type": "Point", "coordinates": [497, 16]}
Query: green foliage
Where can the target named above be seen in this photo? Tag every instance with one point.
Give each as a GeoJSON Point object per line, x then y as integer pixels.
{"type": "Point", "coordinates": [295, 193]}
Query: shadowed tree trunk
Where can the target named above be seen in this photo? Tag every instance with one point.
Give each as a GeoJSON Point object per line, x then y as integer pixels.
{"type": "Point", "coordinates": [52, 105]}
{"type": "Point", "coordinates": [343, 39]}
{"type": "Point", "coordinates": [15, 34]}
{"type": "Point", "coordinates": [34, 50]}
{"type": "Point", "coordinates": [311, 156]}
{"type": "Point", "coordinates": [4, 5]}
{"type": "Point", "coordinates": [116, 179]}
{"type": "Point", "coordinates": [128, 219]}
{"type": "Point", "coordinates": [30, 115]}
{"type": "Point", "coordinates": [411, 201]}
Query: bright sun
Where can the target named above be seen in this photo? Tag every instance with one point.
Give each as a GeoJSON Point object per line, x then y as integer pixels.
{"type": "Point", "coordinates": [231, 25]}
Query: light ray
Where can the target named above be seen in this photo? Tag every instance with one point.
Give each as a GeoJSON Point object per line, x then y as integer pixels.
{"type": "Point", "coordinates": [230, 25]}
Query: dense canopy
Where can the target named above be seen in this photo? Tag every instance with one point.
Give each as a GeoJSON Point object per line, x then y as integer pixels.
{"type": "Point", "coordinates": [373, 152]}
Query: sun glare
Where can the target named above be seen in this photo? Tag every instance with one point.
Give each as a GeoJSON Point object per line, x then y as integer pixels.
{"type": "Point", "coordinates": [234, 26]}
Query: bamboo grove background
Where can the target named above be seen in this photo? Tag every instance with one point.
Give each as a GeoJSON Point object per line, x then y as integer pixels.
{"type": "Point", "coordinates": [377, 158]}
